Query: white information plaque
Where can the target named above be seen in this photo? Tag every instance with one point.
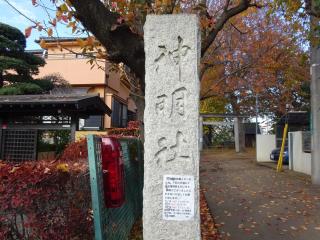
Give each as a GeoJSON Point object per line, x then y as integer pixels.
{"type": "Point", "coordinates": [178, 197]}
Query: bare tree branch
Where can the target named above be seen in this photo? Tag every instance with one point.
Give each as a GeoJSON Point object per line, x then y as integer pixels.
{"type": "Point", "coordinates": [225, 16]}
{"type": "Point", "coordinates": [21, 13]}
{"type": "Point", "coordinates": [236, 28]}
{"type": "Point", "coordinates": [226, 6]}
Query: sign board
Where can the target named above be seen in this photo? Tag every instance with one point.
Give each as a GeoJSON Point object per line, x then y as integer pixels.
{"type": "Point", "coordinates": [178, 197]}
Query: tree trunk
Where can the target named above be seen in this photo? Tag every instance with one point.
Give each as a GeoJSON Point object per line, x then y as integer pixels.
{"type": "Point", "coordinates": [140, 104]}
{"type": "Point", "coordinates": [123, 45]}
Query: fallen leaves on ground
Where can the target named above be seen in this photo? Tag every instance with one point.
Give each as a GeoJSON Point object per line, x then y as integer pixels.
{"type": "Point", "coordinates": [136, 231]}
{"type": "Point", "coordinates": [208, 228]}
{"type": "Point", "coordinates": [253, 200]}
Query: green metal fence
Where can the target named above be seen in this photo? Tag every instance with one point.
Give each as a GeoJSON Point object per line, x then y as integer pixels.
{"type": "Point", "coordinates": [116, 223]}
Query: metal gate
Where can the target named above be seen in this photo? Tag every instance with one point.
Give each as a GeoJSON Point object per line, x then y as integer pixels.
{"type": "Point", "coordinates": [19, 145]}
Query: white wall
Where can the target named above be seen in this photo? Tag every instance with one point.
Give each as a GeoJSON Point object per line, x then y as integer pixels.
{"type": "Point", "coordinates": [299, 161]}
{"type": "Point", "coordinates": [265, 144]}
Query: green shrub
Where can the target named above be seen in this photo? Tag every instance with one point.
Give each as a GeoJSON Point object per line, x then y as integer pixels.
{"type": "Point", "coordinates": [21, 88]}
{"type": "Point", "coordinates": [44, 84]}
{"type": "Point", "coordinates": [10, 90]}
{"type": "Point", "coordinates": [29, 88]}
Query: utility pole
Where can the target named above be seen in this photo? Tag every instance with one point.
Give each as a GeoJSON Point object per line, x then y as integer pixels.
{"type": "Point", "coordinates": [257, 111]}
{"type": "Point", "coordinates": [315, 98]}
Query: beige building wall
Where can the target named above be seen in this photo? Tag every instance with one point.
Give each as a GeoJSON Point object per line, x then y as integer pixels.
{"type": "Point", "coordinates": [75, 71]}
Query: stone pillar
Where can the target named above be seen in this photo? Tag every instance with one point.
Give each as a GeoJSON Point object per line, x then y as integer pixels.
{"type": "Point", "coordinates": [242, 136]}
{"type": "Point", "coordinates": [315, 96]}
{"type": "Point", "coordinates": [315, 131]}
{"type": "Point", "coordinates": [171, 118]}
{"type": "Point", "coordinates": [236, 134]}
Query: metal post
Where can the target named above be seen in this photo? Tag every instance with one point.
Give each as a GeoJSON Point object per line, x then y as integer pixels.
{"type": "Point", "coordinates": [290, 148]}
{"type": "Point", "coordinates": [280, 160]}
{"type": "Point", "coordinates": [257, 110]}
{"type": "Point", "coordinates": [96, 187]}
{"type": "Point", "coordinates": [315, 102]}
{"type": "Point", "coordinates": [236, 134]}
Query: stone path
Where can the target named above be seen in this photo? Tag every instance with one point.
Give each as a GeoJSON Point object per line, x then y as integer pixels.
{"type": "Point", "coordinates": [249, 201]}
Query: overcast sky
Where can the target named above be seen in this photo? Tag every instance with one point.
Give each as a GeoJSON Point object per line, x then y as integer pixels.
{"type": "Point", "coordinates": [9, 16]}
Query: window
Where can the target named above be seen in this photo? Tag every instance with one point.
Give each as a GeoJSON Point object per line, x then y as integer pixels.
{"type": "Point", "coordinates": [119, 114]}
{"type": "Point", "coordinates": [93, 122]}
{"type": "Point", "coordinates": [132, 116]}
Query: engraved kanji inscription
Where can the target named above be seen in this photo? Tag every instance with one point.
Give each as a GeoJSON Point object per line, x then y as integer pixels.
{"type": "Point", "coordinates": [178, 101]}
{"type": "Point", "coordinates": [161, 104]}
{"type": "Point", "coordinates": [169, 152]}
{"type": "Point", "coordinates": [174, 56]}
{"type": "Point", "coordinates": [172, 105]}
{"type": "Point", "coordinates": [162, 152]}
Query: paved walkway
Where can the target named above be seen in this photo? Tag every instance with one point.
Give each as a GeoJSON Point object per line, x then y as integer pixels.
{"type": "Point", "coordinates": [249, 201]}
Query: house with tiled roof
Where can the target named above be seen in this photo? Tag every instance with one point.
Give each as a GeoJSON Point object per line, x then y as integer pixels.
{"type": "Point", "coordinates": [64, 56]}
